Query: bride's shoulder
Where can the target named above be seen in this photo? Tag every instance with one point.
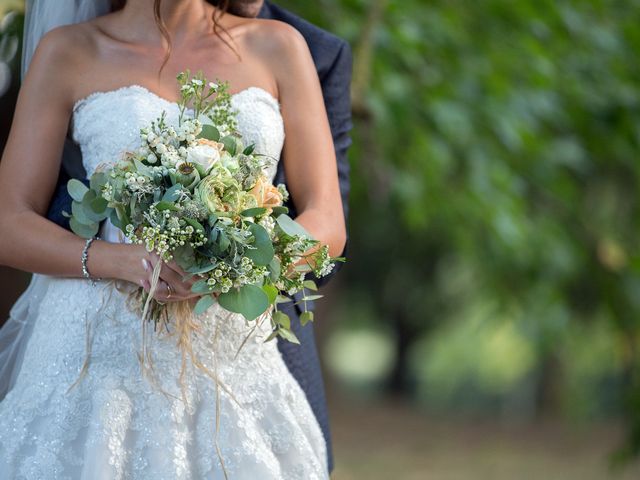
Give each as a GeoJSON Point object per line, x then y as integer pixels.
{"type": "Point", "coordinates": [276, 30]}
{"type": "Point", "coordinates": [59, 63]}
{"type": "Point", "coordinates": [66, 46]}
{"type": "Point", "coordinates": [277, 42]}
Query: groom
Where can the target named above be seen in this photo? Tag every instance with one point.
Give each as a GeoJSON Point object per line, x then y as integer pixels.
{"type": "Point", "coordinates": [332, 57]}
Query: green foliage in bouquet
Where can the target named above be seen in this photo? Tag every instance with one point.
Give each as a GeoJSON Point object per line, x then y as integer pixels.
{"type": "Point", "coordinates": [195, 194]}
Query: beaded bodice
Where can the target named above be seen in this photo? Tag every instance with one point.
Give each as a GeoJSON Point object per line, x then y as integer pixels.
{"type": "Point", "coordinates": [107, 124]}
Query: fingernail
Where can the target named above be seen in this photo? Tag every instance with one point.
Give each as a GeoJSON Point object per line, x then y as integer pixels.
{"type": "Point", "coordinates": [146, 264]}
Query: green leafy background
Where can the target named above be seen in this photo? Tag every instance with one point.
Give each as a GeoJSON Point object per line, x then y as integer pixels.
{"type": "Point", "coordinates": [494, 267]}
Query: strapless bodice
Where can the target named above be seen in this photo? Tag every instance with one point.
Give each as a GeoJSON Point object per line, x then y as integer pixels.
{"type": "Point", "coordinates": [107, 124]}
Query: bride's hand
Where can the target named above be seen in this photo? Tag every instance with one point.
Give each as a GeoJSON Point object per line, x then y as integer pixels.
{"type": "Point", "coordinates": [172, 286]}
{"type": "Point", "coordinates": [138, 269]}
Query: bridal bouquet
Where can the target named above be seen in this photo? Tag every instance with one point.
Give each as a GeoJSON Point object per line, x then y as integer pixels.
{"type": "Point", "coordinates": [195, 194]}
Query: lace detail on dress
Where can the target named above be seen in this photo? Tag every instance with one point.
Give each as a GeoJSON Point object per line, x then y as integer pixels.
{"type": "Point", "coordinates": [115, 423]}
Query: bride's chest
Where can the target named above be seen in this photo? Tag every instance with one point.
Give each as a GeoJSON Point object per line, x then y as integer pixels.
{"type": "Point", "coordinates": [107, 124]}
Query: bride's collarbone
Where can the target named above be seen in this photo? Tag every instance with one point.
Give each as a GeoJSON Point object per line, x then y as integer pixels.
{"type": "Point", "coordinates": [165, 85]}
{"type": "Point", "coordinates": [110, 64]}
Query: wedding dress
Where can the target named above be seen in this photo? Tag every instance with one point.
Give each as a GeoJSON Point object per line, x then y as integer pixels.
{"type": "Point", "coordinates": [112, 422]}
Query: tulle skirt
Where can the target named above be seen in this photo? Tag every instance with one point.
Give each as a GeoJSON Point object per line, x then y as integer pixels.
{"type": "Point", "coordinates": [81, 402]}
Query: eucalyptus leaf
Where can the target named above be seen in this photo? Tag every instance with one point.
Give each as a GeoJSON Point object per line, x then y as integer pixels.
{"type": "Point", "coordinates": [200, 287]}
{"type": "Point", "coordinates": [271, 291]}
{"type": "Point", "coordinates": [98, 180]}
{"type": "Point", "coordinates": [98, 205]}
{"type": "Point", "coordinates": [262, 252]}
{"type": "Point", "coordinates": [77, 210]}
{"type": "Point", "coordinates": [84, 231]}
{"type": "Point", "coordinates": [203, 304]}
{"type": "Point", "coordinates": [253, 212]}
{"type": "Point", "coordinates": [173, 193]}
{"type": "Point", "coordinates": [76, 189]}
{"type": "Point", "coordinates": [184, 256]}
{"type": "Point", "coordinates": [291, 227]}
{"type": "Point", "coordinates": [249, 300]}
{"type": "Point", "coordinates": [230, 144]}
{"type": "Point", "coordinates": [274, 269]}
{"type": "Point", "coordinates": [87, 200]}
{"type": "Point", "coordinates": [143, 169]}
{"type": "Point", "coordinates": [113, 217]}
{"type": "Point", "coordinates": [210, 133]}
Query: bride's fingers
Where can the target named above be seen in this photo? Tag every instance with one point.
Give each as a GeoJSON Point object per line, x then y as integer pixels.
{"type": "Point", "coordinates": [166, 293]}
{"type": "Point", "coordinates": [178, 290]}
{"type": "Point", "coordinates": [171, 275]}
{"type": "Point", "coordinates": [185, 276]}
{"type": "Point", "coordinates": [173, 265]}
{"type": "Point", "coordinates": [173, 278]}
{"type": "Point", "coordinates": [163, 292]}
{"type": "Point", "coordinates": [174, 275]}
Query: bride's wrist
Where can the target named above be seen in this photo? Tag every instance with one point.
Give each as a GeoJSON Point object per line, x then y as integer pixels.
{"type": "Point", "coordinates": [108, 260]}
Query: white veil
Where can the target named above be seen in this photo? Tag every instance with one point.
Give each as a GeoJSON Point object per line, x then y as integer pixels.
{"type": "Point", "coordinates": [41, 16]}
{"type": "Point", "coordinates": [45, 15]}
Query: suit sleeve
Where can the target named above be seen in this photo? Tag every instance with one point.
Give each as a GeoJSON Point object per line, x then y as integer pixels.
{"type": "Point", "coordinates": [336, 88]}
{"type": "Point", "coordinates": [71, 168]}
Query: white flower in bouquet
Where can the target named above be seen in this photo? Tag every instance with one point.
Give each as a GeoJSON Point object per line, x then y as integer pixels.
{"type": "Point", "coordinates": [205, 154]}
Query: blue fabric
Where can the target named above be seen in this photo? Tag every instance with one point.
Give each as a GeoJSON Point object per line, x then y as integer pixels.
{"type": "Point", "coordinates": [332, 57]}
{"type": "Point", "coordinates": [71, 168]}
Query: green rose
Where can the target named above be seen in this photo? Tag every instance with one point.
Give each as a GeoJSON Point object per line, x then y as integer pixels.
{"type": "Point", "coordinates": [217, 190]}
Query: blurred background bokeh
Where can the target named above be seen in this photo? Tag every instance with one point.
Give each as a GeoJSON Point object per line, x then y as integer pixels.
{"type": "Point", "coordinates": [487, 323]}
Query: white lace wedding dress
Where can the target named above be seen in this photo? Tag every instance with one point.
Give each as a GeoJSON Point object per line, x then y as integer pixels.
{"type": "Point", "coordinates": [116, 424]}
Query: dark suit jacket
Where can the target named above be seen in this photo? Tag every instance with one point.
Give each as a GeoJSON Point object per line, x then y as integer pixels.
{"type": "Point", "coordinates": [332, 57]}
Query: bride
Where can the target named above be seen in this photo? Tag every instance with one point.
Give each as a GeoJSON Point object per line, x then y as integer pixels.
{"type": "Point", "coordinates": [78, 404]}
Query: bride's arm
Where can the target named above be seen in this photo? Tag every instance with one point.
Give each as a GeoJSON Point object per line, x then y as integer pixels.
{"type": "Point", "coordinates": [308, 154]}
{"type": "Point", "coordinates": [30, 166]}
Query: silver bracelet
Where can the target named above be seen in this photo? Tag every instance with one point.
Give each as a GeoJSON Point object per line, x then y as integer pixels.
{"type": "Point", "coordinates": [85, 256]}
